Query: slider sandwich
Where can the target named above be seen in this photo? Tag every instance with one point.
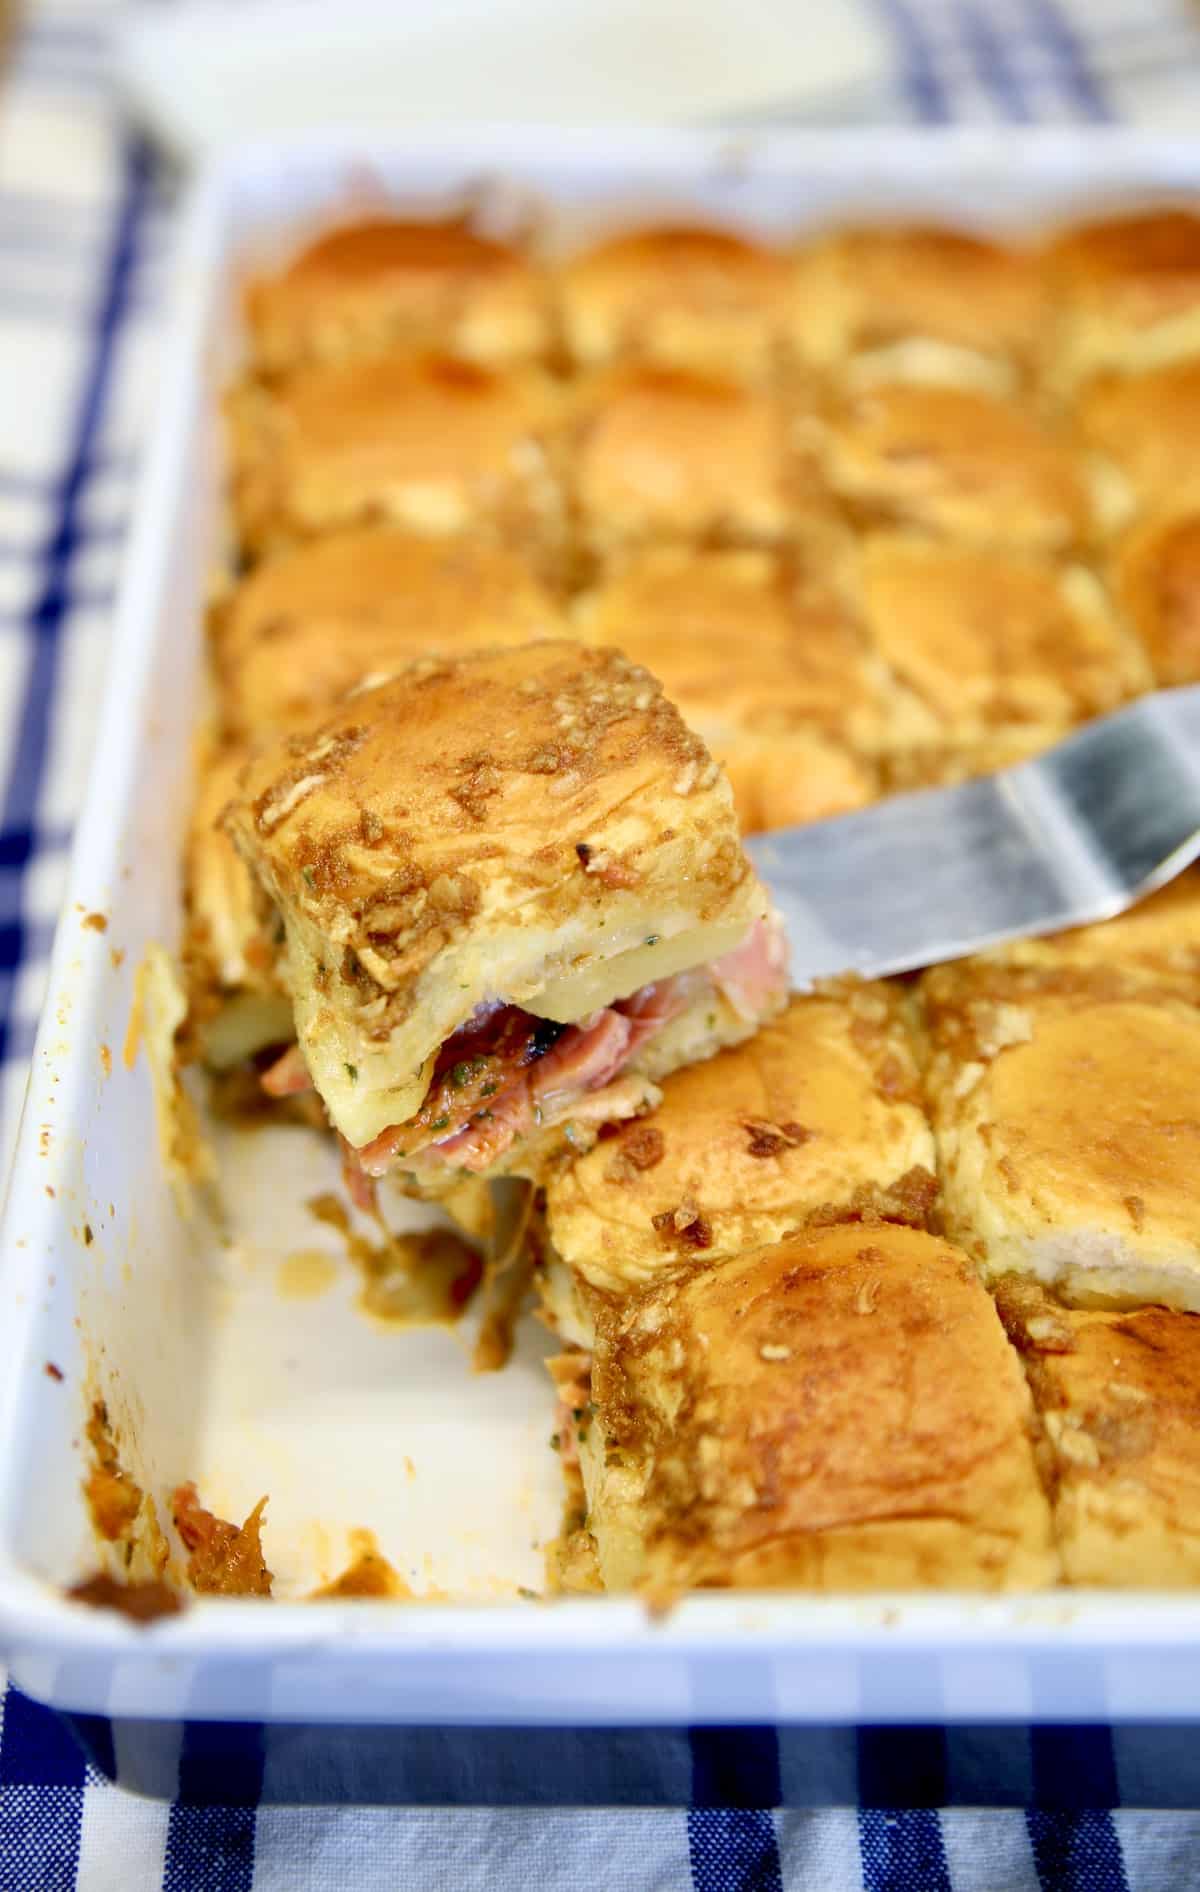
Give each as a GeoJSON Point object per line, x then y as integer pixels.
{"type": "Point", "coordinates": [840, 1411]}
{"type": "Point", "coordinates": [1126, 294]}
{"type": "Point", "coordinates": [818, 1117]}
{"type": "Point", "coordinates": [513, 898]}
{"type": "Point", "coordinates": [780, 687]}
{"type": "Point", "coordinates": [918, 303]}
{"type": "Point", "coordinates": [1063, 1093]}
{"type": "Point", "coordinates": [1117, 1394]}
{"type": "Point", "coordinates": [691, 297]}
{"type": "Point", "coordinates": [299, 631]}
{"type": "Point", "coordinates": [383, 284]}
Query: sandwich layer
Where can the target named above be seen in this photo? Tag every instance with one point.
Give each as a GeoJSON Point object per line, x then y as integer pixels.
{"type": "Point", "coordinates": [236, 1005]}
{"type": "Point", "coordinates": [490, 840]}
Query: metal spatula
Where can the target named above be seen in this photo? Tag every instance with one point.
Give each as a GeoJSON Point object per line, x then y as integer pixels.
{"type": "Point", "coordinates": [1078, 834]}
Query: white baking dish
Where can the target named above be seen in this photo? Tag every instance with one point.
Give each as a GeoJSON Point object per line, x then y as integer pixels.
{"type": "Point", "coordinates": [192, 1344]}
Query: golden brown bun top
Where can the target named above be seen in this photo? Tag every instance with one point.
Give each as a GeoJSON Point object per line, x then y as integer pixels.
{"type": "Point", "coordinates": [780, 781]}
{"type": "Point", "coordinates": [498, 788]}
{"type": "Point", "coordinates": [669, 453]}
{"type": "Point", "coordinates": [430, 414]}
{"type": "Point", "coordinates": [688, 292]}
{"type": "Point", "coordinates": [385, 279]}
{"type": "Point", "coordinates": [883, 284]}
{"type": "Point", "coordinates": [1093, 1082]}
{"type": "Point", "coordinates": [1149, 425]}
{"type": "Point", "coordinates": [1159, 936]}
{"type": "Point", "coordinates": [734, 645]}
{"type": "Point", "coordinates": [819, 1113]}
{"type": "Point", "coordinates": [1147, 265]}
{"type": "Point", "coordinates": [305, 627]}
{"type": "Point", "coordinates": [775, 679]}
{"type": "Point", "coordinates": [1078, 1354]}
{"type": "Point", "coordinates": [440, 445]}
{"type": "Point", "coordinates": [947, 763]}
{"type": "Point", "coordinates": [365, 251]}
{"type": "Point", "coordinates": [846, 1377]}
{"type": "Point", "coordinates": [1156, 579]}
{"type": "Point", "coordinates": [1107, 1105]}
{"type": "Point", "coordinates": [682, 257]}
{"type": "Point", "coordinates": [988, 637]}
{"type": "Point", "coordinates": [1119, 1396]}
{"type": "Point", "coordinates": [963, 463]}
{"type": "Point", "coordinates": [977, 1008]}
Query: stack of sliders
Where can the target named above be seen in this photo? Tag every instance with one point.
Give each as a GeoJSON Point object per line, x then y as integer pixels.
{"type": "Point", "coordinates": [874, 1286]}
{"type": "Point", "coordinates": [785, 1292]}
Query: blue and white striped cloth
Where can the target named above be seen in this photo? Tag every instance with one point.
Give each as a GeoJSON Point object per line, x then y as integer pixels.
{"type": "Point", "coordinates": [83, 217]}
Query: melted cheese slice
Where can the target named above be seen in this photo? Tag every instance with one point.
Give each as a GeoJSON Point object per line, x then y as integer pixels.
{"type": "Point", "coordinates": [577, 994]}
{"type": "Point", "coordinates": [367, 1087]}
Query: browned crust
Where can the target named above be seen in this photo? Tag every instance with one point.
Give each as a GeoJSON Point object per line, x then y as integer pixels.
{"type": "Point", "coordinates": [842, 1403]}
{"type": "Point", "coordinates": [384, 826]}
{"type": "Point", "coordinates": [1118, 1400]}
{"type": "Point", "coordinates": [384, 282]}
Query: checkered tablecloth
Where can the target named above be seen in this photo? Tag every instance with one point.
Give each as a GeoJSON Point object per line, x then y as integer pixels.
{"type": "Point", "coordinates": [84, 215]}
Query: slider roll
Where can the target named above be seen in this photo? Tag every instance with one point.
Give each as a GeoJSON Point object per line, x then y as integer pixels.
{"type": "Point", "coordinates": [513, 897]}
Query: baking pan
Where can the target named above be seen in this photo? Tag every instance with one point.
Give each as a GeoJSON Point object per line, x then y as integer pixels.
{"type": "Point", "coordinates": [211, 1373]}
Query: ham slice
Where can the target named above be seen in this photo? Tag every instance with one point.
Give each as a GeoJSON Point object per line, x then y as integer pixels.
{"type": "Point", "coordinates": [483, 1140]}
{"type": "Point", "coordinates": [288, 1076]}
{"type": "Point", "coordinates": [359, 1186]}
{"type": "Point", "coordinates": [498, 1076]}
{"type": "Point", "coordinates": [583, 1059]}
{"type": "Point", "coordinates": [755, 972]}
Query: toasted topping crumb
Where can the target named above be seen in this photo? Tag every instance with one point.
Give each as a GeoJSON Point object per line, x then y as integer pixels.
{"type": "Point", "coordinates": [641, 1148]}
{"type": "Point", "coordinates": [684, 1224]}
{"type": "Point", "coordinates": [771, 1139]}
{"type": "Point", "coordinates": [910, 1201]}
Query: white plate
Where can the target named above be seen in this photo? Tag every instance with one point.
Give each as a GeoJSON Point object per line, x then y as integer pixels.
{"type": "Point", "coordinates": [210, 1372]}
{"type": "Point", "coordinates": [283, 66]}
